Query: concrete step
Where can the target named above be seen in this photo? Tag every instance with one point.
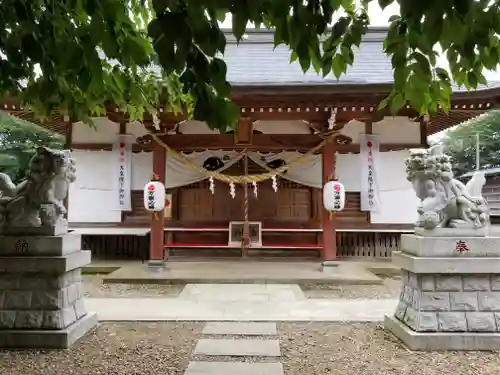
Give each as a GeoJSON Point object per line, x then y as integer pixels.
{"type": "Point", "coordinates": [234, 368]}
{"type": "Point", "coordinates": [238, 348]}
{"type": "Point", "coordinates": [241, 328]}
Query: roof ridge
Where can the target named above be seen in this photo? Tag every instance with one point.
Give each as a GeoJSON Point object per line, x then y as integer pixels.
{"type": "Point", "coordinates": [265, 30]}
{"type": "Point", "coordinates": [266, 36]}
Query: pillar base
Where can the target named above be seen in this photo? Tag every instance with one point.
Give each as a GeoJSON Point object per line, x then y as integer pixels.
{"type": "Point", "coordinates": [156, 265]}
{"type": "Point", "coordinates": [329, 266]}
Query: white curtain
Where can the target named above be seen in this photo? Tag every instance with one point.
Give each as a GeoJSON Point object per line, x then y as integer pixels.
{"type": "Point", "coordinates": [307, 172]}
{"type": "Point", "coordinates": [178, 173]}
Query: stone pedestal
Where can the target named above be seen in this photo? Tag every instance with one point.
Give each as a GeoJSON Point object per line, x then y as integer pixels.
{"type": "Point", "coordinates": [41, 291]}
{"type": "Point", "coordinates": [329, 266]}
{"type": "Point", "coordinates": [450, 299]}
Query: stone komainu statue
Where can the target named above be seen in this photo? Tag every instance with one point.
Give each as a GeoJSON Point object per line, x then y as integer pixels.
{"type": "Point", "coordinates": [445, 201]}
{"type": "Point", "coordinates": [38, 200]}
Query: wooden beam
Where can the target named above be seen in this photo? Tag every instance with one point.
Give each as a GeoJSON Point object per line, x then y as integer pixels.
{"type": "Point", "coordinates": [423, 132]}
{"type": "Point", "coordinates": [261, 142]}
{"type": "Point", "coordinates": [268, 142]}
{"type": "Point", "coordinates": [107, 147]}
{"type": "Point", "coordinates": [369, 127]}
{"type": "Point", "coordinates": [244, 132]}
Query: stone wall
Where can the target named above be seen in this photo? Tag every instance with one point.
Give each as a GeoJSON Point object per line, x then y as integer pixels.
{"type": "Point", "coordinates": [40, 301]}
{"type": "Point", "coordinates": [450, 302]}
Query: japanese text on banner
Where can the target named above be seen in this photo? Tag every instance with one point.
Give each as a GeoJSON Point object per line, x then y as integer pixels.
{"type": "Point", "coordinates": [369, 148]}
{"type": "Point", "coordinates": [123, 152]}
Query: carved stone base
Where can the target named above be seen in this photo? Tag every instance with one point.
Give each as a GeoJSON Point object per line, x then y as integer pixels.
{"type": "Point", "coordinates": [453, 232]}
{"type": "Point", "coordinates": [60, 228]}
{"type": "Point", "coordinates": [48, 339]}
{"type": "Point", "coordinates": [453, 299]}
{"type": "Point", "coordinates": [41, 297]}
{"type": "Point", "coordinates": [432, 341]}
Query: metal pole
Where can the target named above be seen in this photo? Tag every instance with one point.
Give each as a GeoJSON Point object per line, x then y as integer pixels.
{"type": "Point", "coordinates": [477, 152]}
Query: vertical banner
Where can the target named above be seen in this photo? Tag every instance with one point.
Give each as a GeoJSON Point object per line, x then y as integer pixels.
{"type": "Point", "coordinates": [122, 151]}
{"type": "Point", "coordinates": [369, 149]}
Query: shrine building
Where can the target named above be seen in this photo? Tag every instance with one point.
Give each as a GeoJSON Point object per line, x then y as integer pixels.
{"type": "Point", "coordinates": [296, 131]}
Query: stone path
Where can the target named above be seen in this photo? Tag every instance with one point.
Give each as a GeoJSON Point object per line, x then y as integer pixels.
{"type": "Point", "coordinates": [174, 309]}
{"type": "Point", "coordinates": [243, 345]}
{"type": "Point", "coordinates": [242, 292]}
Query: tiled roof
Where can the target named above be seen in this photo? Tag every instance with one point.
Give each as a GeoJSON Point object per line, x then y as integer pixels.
{"type": "Point", "coordinates": [255, 61]}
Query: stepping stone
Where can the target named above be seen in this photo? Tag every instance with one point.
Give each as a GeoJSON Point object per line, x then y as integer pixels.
{"type": "Point", "coordinates": [238, 347]}
{"type": "Point", "coordinates": [244, 329]}
{"type": "Point", "coordinates": [234, 368]}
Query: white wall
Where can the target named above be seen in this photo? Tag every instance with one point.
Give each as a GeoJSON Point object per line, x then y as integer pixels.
{"type": "Point", "coordinates": [398, 200]}
{"type": "Point", "coordinates": [142, 169]}
{"type": "Point", "coordinates": [92, 196]}
{"type": "Point", "coordinates": [390, 130]}
{"type": "Point", "coordinates": [104, 130]}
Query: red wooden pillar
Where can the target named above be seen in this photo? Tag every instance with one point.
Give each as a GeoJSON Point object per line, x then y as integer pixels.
{"type": "Point", "coordinates": [328, 224]}
{"type": "Point", "coordinates": [157, 224]}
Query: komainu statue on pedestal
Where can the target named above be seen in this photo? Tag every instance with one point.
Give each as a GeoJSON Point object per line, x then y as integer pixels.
{"type": "Point", "coordinates": [445, 201]}
{"type": "Point", "coordinates": [38, 200]}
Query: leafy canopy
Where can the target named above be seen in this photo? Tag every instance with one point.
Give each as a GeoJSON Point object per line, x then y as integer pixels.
{"type": "Point", "coordinates": [89, 51]}
{"type": "Point", "coordinates": [18, 142]}
{"type": "Point", "coordinates": [460, 143]}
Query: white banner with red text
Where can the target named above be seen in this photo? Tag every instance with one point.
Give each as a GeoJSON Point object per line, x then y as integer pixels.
{"type": "Point", "coordinates": [122, 152]}
{"type": "Point", "coordinates": [368, 155]}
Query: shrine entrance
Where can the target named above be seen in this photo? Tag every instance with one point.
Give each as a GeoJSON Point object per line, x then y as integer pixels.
{"type": "Point", "coordinates": [291, 202]}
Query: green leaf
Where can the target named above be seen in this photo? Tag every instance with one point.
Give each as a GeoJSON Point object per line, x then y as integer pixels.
{"type": "Point", "coordinates": [471, 80]}
{"type": "Point", "coordinates": [338, 66]}
{"type": "Point", "coordinates": [442, 74]}
{"type": "Point", "coordinates": [397, 102]}
{"type": "Point", "coordinates": [422, 61]}
{"type": "Point", "coordinates": [240, 20]}
{"type": "Point", "coordinates": [384, 4]}
{"type": "Point", "coordinates": [384, 103]}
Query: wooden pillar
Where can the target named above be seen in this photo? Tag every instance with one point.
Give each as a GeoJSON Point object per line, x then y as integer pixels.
{"type": "Point", "coordinates": [328, 224]}
{"type": "Point", "coordinates": [156, 242]}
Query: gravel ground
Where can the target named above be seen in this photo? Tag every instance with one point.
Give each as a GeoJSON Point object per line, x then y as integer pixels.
{"type": "Point", "coordinates": [389, 289]}
{"type": "Point", "coordinates": [365, 349]}
{"type": "Point", "coordinates": [307, 349]}
{"type": "Point", "coordinates": [95, 288]}
{"type": "Point", "coordinates": [113, 349]}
